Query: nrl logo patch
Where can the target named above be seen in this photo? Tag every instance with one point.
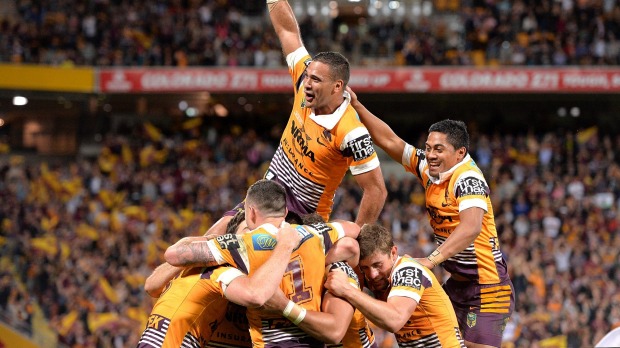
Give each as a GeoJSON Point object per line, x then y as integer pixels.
{"type": "Point", "coordinates": [471, 319]}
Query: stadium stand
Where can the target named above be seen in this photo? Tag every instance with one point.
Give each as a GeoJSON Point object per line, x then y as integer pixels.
{"type": "Point", "coordinates": [79, 238]}
{"type": "Point", "coordinates": [230, 33]}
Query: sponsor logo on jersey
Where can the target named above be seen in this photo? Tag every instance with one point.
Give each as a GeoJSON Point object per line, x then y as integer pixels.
{"type": "Point", "coordinates": [236, 315]}
{"type": "Point", "coordinates": [156, 321]}
{"type": "Point", "coordinates": [301, 140]}
{"type": "Point", "coordinates": [436, 217]}
{"type": "Point", "coordinates": [228, 241]}
{"type": "Point", "coordinates": [263, 242]}
{"type": "Point", "coordinates": [344, 267]}
{"type": "Point", "coordinates": [305, 235]}
{"type": "Point", "coordinates": [360, 148]}
{"type": "Point", "coordinates": [321, 227]}
{"type": "Point", "coordinates": [421, 154]}
{"type": "Point", "coordinates": [409, 277]}
{"type": "Point", "coordinates": [471, 187]}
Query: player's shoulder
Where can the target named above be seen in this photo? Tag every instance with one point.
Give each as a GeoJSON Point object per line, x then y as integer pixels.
{"type": "Point", "coordinates": [350, 120]}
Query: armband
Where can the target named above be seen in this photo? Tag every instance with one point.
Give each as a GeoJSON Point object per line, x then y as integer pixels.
{"type": "Point", "coordinates": [436, 257]}
{"type": "Point", "coordinates": [294, 312]}
{"type": "Point", "coordinates": [287, 310]}
{"type": "Point", "coordinates": [300, 317]}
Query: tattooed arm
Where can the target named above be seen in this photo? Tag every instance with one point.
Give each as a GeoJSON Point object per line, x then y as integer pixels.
{"type": "Point", "coordinates": [190, 252]}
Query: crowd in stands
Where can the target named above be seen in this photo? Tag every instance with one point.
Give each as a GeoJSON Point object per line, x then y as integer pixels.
{"type": "Point", "coordinates": [78, 239]}
{"type": "Point", "coordinates": [232, 33]}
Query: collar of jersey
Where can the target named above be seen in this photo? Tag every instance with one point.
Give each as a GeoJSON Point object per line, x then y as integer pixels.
{"type": "Point", "coordinates": [329, 121]}
{"type": "Point", "coordinates": [447, 174]}
{"type": "Point", "coordinates": [269, 228]}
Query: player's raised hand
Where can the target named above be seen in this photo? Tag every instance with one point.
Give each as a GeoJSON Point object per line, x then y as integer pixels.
{"type": "Point", "coordinates": [353, 97]}
{"type": "Point", "coordinates": [288, 236]}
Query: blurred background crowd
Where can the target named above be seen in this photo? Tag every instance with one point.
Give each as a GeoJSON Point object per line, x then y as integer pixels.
{"type": "Point", "coordinates": [231, 32]}
{"type": "Point", "coordinates": [78, 238]}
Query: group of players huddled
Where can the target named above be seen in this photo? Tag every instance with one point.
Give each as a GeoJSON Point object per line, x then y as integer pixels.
{"type": "Point", "coordinates": [276, 272]}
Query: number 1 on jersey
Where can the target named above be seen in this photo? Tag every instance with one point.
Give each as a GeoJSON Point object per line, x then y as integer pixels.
{"type": "Point", "coordinates": [295, 270]}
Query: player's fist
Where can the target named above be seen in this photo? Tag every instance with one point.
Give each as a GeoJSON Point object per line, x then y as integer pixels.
{"type": "Point", "coordinates": [288, 236]}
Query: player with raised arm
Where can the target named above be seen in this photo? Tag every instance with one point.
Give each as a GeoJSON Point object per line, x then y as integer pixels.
{"type": "Point", "coordinates": [323, 137]}
{"type": "Point", "coordinates": [461, 214]}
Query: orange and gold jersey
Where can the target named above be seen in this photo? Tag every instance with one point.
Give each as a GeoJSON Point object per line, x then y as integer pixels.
{"type": "Point", "coordinates": [302, 281]}
{"type": "Point", "coordinates": [460, 188]}
{"type": "Point", "coordinates": [233, 331]}
{"type": "Point", "coordinates": [433, 323]}
{"type": "Point", "coordinates": [359, 334]}
{"type": "Point", "coordinates": [190, 308]}
{"type": "Point", "coordinates": [316, 150]}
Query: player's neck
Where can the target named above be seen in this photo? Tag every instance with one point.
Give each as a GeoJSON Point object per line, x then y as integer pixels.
{"type": "Point", "coordinates": [330, 108]}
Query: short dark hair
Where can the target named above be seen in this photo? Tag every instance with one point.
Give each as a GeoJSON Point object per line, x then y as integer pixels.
{"type": "Point", "coordinates": [455, 130]}
{"type": "Point", "coordinates": [338, 65]}
{"type": "Point", "coordinates": [233, 224]}
{"type": "Point", "coordinates": [268, 197]}
{"type": "Point", "coordinates": [373, 238]}
{"type": "Point", "coordinates": [312, 218]}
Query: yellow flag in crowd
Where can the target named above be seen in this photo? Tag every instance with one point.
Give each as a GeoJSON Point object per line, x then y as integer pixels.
{"type": "Point", "coordinates": [138, 314]}
{"type": "Point", "coordinates": [117, 221]}
{"type": "Point", "coordinates": [65, 251]}
{"type": "Point", "coordinates": [84, 230]}
{"type": "Point", "coordinates": [136, 212]}
{"type": "Point", "coordinates": [135, 280]}
{"type": "Point", "coordinates": [45, 244]}
{"type": "Point", "coordinates": [587, 134]}
{"type": "Point", "coordinates": [48, 224]}
{"type": "Point", "coordinates": [191, 145]}
{"type": "Point", "coordinates": [97, 320]}
{"type": "Point", "coordinates": [192, 123]}
{"type": "Point", "coordinates": [108, 290]}
{"type": "Point", "coordinates": [146, 156]}
{"type": "Point", "coordinates": [67, 322]}
{"type": "Point", "coordinates": [554, 342]}
{"type": "Point", "coordinates": [106, 160]}
{"type": "Point", "coordinates": [187, 215]}
{"type": "Point", "coordinates": [152, 132]}
{"type": "Point", "coordinates": [126, 154]}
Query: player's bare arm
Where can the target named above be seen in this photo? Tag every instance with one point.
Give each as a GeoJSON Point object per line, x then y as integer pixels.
{"type": "Point", "coordinates": [373, 198]}
{"type": "Point", "coordinates": [391, 315]}
{"type": "Point", "coordinates": [380, 132]}
{"type": "Point", "coordinates": [190, 252]}
{"type": "Point", "coordinates": [345, 249]}
{"type": "Point", "coordinates": [329, 325]}
{"type": "Point", "coordinates": [285, 25]}
{"type": "Point", "coordinates": [462, 237]}
{"type": "Point", "coordinates": [163, 274]}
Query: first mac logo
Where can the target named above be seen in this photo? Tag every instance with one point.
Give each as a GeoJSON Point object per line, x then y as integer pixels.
{"type": "Point", "coordinates": [361, 148]}
{"type": "Point", "coordinates": [228, 241]}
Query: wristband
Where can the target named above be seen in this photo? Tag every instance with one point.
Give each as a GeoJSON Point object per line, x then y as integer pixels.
{"type": "Point", "coordinates": [300, 317]}
{"type": "Point", "coordinates": [436, 257]}
{"type": "Point", "coordinates": [271, 4]}
{"type": "Point", "coordinates": [287, 310]}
